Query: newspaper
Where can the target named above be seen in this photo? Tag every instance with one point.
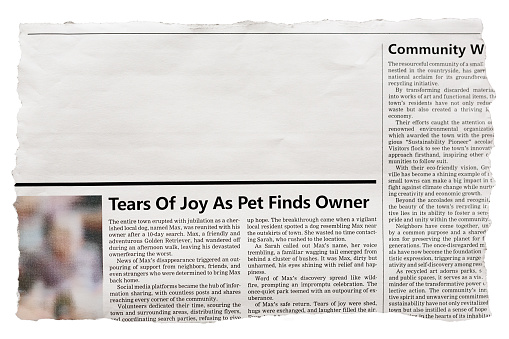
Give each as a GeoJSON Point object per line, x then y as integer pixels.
{"type": "Point", "coordinates": [197, 173]}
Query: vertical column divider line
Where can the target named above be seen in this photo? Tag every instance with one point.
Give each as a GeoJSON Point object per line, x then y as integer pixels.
{"type": "Point", "coordinates": [382, 182]}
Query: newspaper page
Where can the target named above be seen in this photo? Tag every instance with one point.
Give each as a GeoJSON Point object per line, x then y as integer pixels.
{"type": "Point", "coordinates": [198, 173]}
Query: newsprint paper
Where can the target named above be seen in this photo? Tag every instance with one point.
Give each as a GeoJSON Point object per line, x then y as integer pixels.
{"type": "Point", "coordinates": [197, 173]}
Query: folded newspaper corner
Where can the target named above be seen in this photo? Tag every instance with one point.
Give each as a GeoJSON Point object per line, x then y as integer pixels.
{"type": "Point", "coordinates": [196, 173]}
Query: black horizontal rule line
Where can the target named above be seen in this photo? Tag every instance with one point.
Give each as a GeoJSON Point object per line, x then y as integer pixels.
{"type": "Point", "coordinates": [253, 33]}
{"type": "Point", "coordinates": [199, 183]}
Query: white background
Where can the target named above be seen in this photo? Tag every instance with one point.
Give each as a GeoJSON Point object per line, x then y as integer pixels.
{"type": "Point", "coordinates": [362, 326]}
